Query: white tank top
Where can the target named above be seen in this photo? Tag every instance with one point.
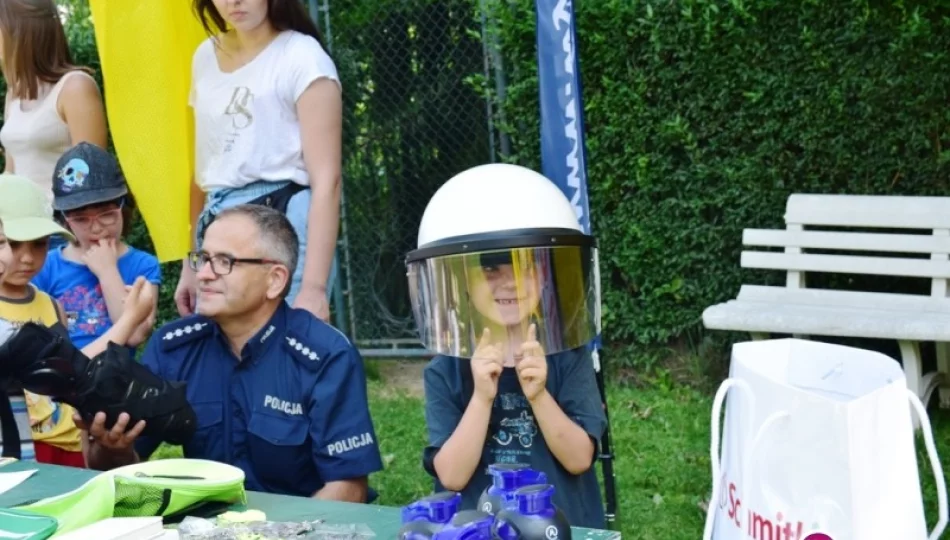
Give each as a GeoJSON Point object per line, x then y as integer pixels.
{"type": "Point", "coordinates": [35, 136]}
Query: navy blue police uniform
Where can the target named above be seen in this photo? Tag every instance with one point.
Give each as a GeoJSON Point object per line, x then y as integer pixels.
{"type": "Point", "coordinates": [291, 412]}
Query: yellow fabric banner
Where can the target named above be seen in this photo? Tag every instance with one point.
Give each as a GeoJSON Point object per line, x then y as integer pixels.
{"type": "Point", "coordinates": [145, 48]}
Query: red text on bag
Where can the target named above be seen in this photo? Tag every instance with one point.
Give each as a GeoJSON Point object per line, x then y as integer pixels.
{"type": "Point", "coordinates": [757, 526]}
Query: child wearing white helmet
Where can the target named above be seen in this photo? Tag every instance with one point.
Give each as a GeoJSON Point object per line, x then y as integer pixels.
{"type": "Point", "coordinates": [504, 288]}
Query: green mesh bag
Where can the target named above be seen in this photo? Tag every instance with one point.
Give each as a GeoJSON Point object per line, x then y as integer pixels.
{"type": "Point", "coordinates": [162, 487]}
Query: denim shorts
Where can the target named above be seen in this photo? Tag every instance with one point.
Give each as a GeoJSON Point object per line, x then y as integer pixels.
{"type": "Point", "coordinates": [298, 209]}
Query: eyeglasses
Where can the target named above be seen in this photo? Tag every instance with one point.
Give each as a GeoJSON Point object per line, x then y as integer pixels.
{"type": "Point", "coordinates": [105, 219]}
{"type": "Point", "coordinates": [221, 264]}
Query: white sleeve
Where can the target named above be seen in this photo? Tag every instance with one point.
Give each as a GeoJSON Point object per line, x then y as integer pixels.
{"type": "Point", "coordinates": [307, 62]}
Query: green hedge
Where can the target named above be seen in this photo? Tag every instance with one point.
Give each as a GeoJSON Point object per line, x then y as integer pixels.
{"type": "Point", "coordinates": [703, 116]}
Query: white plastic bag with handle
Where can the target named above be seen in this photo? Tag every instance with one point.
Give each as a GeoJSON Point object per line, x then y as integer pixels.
{"type": "Point", "coordinates": [818, 444]}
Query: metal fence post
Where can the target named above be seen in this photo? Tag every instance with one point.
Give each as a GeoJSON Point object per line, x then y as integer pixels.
{"type": "Point", "coordinates": [495, 59]}
{"type": "Point", "coordinates": [414, 118]}
{"type": "Point", "coordinates": [342, 267]}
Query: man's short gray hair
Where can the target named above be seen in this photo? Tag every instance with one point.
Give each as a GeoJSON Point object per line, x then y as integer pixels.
{"type": "Point", "coordinates": [276, 236]}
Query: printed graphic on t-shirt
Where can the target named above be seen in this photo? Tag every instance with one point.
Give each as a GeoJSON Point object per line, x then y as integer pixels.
{"type": "Point", "coordinates": [44, 413]}
{"type": "Point", "coordinates": [7, 329]}
{"type": "Point", "coordinates": [239, 110]}
{"type": "Point", "coordinates": [11, 327]}
{"type": "Point", "coordinates": [514, 433]}
{"type": "Point", "coordinates": [86, 311]}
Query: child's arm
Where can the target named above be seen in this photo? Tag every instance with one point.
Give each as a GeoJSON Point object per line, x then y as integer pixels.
{"type": "Point", "coordinates": [8, 159]}
{"type": "Point", "coordinates": [570, 441]}
{"type": "Point", "coordinates": [150, 269]}
{"type": "Point", "coordinates": [456, 461]}
{"type": "Point", "coordinates": [458, 437]}
{"type": "Point", "coordinates": [102, 260]}
{"type": "Point", "coordinates": [459, 456]}
{"type": "Point", "coordinates": [97, 346]}
{"type": "Point", "coordinates": [139, 303]}
{"type": "Point", "coordinates": [144, 330]}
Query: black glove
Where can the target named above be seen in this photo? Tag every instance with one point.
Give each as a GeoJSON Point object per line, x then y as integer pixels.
{"type": "Point", "coordinates": [47, 363]}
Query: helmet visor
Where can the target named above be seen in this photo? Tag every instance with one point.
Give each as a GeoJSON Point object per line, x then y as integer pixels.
{"type": "Point", "coordinates": [556, 289]}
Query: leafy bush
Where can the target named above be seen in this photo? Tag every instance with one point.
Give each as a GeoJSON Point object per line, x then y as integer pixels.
{"type": "Point", "coordinates": [704, 115]}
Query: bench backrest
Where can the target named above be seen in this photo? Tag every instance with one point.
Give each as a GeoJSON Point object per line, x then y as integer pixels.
{"type": "Point", "coordinates": [805, 215]}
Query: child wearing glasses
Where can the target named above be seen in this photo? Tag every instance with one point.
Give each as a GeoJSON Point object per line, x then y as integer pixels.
{"type": "Point", "coordinates": [27, 225]}
{"type": "Point", "coordinates": [91, 274]}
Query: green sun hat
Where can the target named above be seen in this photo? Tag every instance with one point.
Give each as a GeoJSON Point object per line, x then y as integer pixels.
{"type": "Point", "coordinates": [26, 211]}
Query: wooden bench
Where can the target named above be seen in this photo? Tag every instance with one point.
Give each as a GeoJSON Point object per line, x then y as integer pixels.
{"type": "Point", "coordinates": [919, 249]}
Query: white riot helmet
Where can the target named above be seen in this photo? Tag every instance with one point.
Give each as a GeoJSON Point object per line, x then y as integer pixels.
{"type": "Point", "coordinates": [500, 247]}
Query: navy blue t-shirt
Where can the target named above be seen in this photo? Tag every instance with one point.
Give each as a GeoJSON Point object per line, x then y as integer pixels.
{"type": "Point", "coordinates": [513, 433]}
{"type": "Point", "coordinates": [292, 412]}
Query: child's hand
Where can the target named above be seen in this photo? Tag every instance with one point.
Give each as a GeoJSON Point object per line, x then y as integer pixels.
{"type": "Point", "coordinates": [101, 257]}
{"type": "Point", "coordinates": [532, 368]}
{"type": "Point", "coordinates": [139, 302]}
{"type": "Point", "coordinates": [487, 364]}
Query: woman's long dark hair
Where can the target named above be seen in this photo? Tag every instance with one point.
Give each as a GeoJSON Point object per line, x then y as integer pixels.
{"type": "Point", "coordinates": [283, 14]}
{"type": "Point", "coordinates": [35, 48]}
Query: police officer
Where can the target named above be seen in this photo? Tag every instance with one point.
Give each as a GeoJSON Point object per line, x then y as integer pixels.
{"type": "Point", "coordinates": [277, 392]}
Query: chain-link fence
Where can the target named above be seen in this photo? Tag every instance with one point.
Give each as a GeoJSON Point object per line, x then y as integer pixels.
{"type": "Point", "coordinates": [417, 112]}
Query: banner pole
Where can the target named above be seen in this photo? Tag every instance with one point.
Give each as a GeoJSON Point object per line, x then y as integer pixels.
{"type": "Point", "coordinates": [564, 162]}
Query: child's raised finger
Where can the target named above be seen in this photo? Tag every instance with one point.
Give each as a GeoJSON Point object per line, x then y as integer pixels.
{"type": "Point", "coordinates": [528, 372]}
{"type": "Point", "coordinates": [485, 339]}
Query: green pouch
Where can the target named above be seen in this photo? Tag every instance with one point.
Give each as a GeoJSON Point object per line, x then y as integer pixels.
{"type": "Point", "coordinates": [25, 525]}
{"type": "Point", "coordinates": [89, 503]}
{"type": "Point", "coordinates": [167, 487]}
{"type": "Point", "coordinates": [163, 487]}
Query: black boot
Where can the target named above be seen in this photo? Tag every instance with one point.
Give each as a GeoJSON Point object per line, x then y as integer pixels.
{"type": "Point", "coordinates": [114, 383]}
{"type": "Point", "coordinates": [47, 363]}
{"type": "Point", "coordinates": [43, 360]}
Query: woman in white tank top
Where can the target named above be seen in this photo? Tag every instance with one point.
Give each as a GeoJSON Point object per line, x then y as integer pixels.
{"type": "Point", "coordinates": [51, 104]}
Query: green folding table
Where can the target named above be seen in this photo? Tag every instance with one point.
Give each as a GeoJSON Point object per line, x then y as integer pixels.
{"type": "Point", "coordinates": [51, 480]}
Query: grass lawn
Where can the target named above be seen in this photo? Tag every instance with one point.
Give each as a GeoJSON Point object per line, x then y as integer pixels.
{"type": "Point", "coordinates": [661, 440]}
